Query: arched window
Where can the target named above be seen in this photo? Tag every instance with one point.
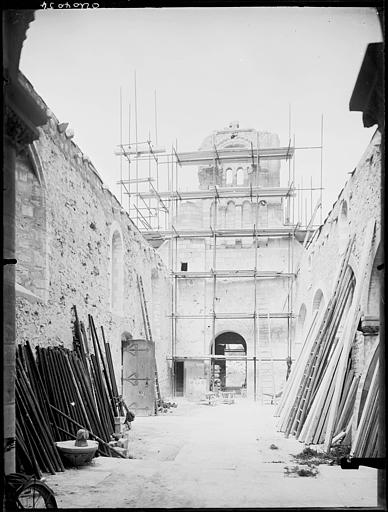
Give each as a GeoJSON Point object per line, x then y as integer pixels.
{"type": "Point", "coordinates": [318, 301]}
{"type": "Point", "coordinates": [343, 228]}
{"type": "Point", "coordinates": [375, 284]}
{"type": "Point", "coordinates": [31, 237]}
{"type": "Point", "coordinates": [229, 176]}
{"type": "Point", "coordinates": [246, 214]}
{"type": "Point", "coordinates": [300, 324]}
{"type": "Point", "coordinates": [117, 275]}
{"type": "Point", "coordinates": [240, 177]}
{"type": "Point", "coordinates": [230, 215]}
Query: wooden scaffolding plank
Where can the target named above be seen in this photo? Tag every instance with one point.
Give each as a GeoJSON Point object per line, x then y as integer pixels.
{"type": "Point", "coordinates": [353, 319]}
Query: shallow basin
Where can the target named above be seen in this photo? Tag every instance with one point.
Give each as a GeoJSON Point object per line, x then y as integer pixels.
{"type": "Point", "coordinates": [77, 455]}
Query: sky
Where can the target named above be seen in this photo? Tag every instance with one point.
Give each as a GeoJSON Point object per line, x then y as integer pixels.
{"type": "Point", "coordinates": [208, 66]}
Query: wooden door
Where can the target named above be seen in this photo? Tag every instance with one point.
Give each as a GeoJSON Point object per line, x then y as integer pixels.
{"type": "Point", "coordinates": [138, 376]}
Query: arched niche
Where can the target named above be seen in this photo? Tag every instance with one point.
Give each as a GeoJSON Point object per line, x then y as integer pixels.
{"type": "Point", "coordinates": [246, 215]}
{"type": "Point", "coordinates": [117, 272]}
{"type": "Point", "coordinates": [318, 301]}
{"type": "Point", "coordinates": [230, 215]}
{"type": "Point", "coordinates": [372, 306]}
{"type": "Point", "coordinates": [229, 177]}
{"type": "Point", "coordinates": [300, 326]}
{"type": "Point", "coordinates": [343, 227]}
{"type": "Point", "coordinates": [31, 240]}
{"type": "Point", "coordinates": [240, 177]}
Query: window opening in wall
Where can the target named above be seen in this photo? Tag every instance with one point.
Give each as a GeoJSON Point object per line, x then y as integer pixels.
{"type": "Point", "coordinates": [343, 228]}
{"type": "Point", "coordinates": [184, 266]}
{"type": "Point", "coordinates": [300, 324]}
{"type": "Point", "coordinates": [240, 176]}
{"type": "Point", "coordinates": [318, 301]}
{"type": "Point", "coordinates": [229, 176]}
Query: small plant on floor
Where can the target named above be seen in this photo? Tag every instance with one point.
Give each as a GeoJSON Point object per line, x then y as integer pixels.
{"type": "Point", "coordinates": [298, 471]}
{"type": "Point", "coordinates": [310, 456]}
{"type": "Point", "coordinates": [274, 447]}
{"type": "Point", "coordinates": [307, 472]}
{"type": "Point", "coordinates": [338, 452]}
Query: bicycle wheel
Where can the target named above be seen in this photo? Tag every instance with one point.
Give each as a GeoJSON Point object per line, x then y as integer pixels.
{"type": "Point", "coordinates": [35, 494]}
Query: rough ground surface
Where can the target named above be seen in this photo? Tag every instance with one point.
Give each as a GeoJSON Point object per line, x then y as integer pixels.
{"type": "Point", "coordinates": [210, 456]}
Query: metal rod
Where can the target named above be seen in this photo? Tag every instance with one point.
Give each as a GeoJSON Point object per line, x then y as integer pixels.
{"type": "Point", "coordinates": [224, 358]}
{"type": "Point", "coordinates": [156, 119]}
{"type": "Point", "coordinates": [129, 160]}
{"type": "Point", "coordinates": [311, 196]}
{"type": "Point", "coordinates": [136, 141]}
{"type": "Point", "coordinates": [321, 170]}
{"type": "Point", "coordinates": [255, 320]}
{"type": "Point", "coordinates": [293, 181]}
{"type": "Point", "coordinates": [121, 141]}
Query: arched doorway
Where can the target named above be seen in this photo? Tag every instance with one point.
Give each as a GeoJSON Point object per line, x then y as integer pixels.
{"type": "Point", "coordinates": [229, 372]}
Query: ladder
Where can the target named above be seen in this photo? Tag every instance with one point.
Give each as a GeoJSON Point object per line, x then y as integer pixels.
{"type": "Point", "coordinates": [148, 336]}
{"type": "Point", "coordinates": [298, 411]}
{"type": "Point", "coordinates": [266, 363]}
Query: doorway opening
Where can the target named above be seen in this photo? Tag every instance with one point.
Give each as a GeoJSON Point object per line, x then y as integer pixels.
{"type": "Point", "coordinates": [229, 373]}
{"type": "Point", "coordinates": [179, 372]}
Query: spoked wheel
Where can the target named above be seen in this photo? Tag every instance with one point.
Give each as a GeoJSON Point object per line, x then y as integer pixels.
{"type": "Point", "coordinates": [24, 492]}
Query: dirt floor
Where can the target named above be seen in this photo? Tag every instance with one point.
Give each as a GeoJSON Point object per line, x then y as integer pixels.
{"type": "Point", "coordinates": [210, 456]}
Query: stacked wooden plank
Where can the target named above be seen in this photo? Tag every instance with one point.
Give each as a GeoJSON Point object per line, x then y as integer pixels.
{"type": "Point", "coordinates": [35, 429]}
{"type": "Point", "coordinates": [366, 413]}
{"type": "Point", "coordinates": [318, 400]}
{"type": "Point", "coordinates": [59, 393]}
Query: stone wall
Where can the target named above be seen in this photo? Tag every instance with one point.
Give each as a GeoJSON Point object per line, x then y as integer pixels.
{"type": "Point", "coordinates": [357, 203]}
{"type": "Point", "coordinates": [233, 296]}
{"type": "Point", "coordinates": [77, 246]}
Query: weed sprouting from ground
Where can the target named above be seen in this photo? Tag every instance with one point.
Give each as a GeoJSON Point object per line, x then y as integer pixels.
{"type": "Point", "coordinates": [274, 447]}
{"type": "Point", "coordinates": [307, 472]}
{"type": "Point", "coordinates": [301, 471]}
{"type": "Point", "coordinates": [310, 456]}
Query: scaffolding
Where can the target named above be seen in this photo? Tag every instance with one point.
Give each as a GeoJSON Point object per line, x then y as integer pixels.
{"type": "Point", "coordinates": [154, 211]}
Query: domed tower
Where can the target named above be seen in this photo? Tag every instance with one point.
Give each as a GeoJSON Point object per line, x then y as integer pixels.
{"type": "Point", "coordinates": [239, 162]}
{"type": "Point", "coordinates": [231, 247]}
{"type": "Point", "coordinates": [235, 173]}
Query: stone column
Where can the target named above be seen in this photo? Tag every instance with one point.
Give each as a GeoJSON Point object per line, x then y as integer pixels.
{"type": "Point", "coordinates": [9, 308]}
{"type": "Point", "coordinates": [23, 112]}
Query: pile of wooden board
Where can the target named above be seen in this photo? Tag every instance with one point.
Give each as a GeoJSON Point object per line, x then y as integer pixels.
{"type": "Point", "coordinates": [366, 412]}
{"type": "Point", "coordinates": [318, 401]}
{"type": "Point", "coordinates": [59, 392]}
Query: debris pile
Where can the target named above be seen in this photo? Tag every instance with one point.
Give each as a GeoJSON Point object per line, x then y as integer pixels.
{"type": "Point", "coordinates": [164, 406]}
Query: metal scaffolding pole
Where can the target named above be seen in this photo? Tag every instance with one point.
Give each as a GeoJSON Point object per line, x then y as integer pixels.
{"type": "Point", "coordinates": [214, 266]}
{"type": "Point", "coordinates": [321, 170]}
{"type": "Point", "coordinates": [129, 160]}
{"type": "Point", "coordinates": [173, 309]}
{"type": "Point", "coordinates": [121, 142]}
{"type": "Point", "coordinates": [137, 161]}
{"type": "Point", "coordinates": [255, 319]}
